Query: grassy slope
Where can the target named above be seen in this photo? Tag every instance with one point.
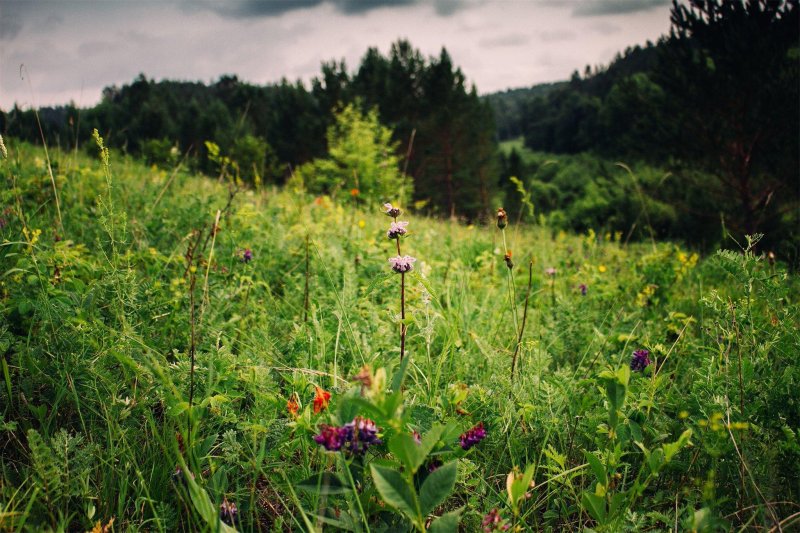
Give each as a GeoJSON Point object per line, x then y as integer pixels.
{"type": "Point", "coordinates": [96, 333]}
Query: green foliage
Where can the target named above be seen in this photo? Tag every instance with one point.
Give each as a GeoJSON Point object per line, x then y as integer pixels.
{"type": "Point", "coordinates": [362, 158]}
{"type": "Point", "coordinates": [96, 321]}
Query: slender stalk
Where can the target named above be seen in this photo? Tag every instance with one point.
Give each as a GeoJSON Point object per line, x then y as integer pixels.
{"type": "Point", "coordinates": [512, 290]}
{"type": "Point", "coordinates": [402, 304]}
{"type": "Point", "coordinates": [524, 318]}
{"type": "Point", "coordinates": [306, 295]}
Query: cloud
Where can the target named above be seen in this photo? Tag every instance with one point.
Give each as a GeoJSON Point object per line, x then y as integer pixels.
{"type": "Point", "coordinates": [513, 39]}
{"type": "Point", "coordinates": [598, 8]}
{"type": "Point", "coordinates": [10, 22]}
{"type": "Point", "coordinates": [276, 8]}
{"type": "Point", "coordinates": [551, 36]}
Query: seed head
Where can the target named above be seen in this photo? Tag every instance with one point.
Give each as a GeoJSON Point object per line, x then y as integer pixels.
{"type": "Point", "coordinates": [507, 259]}
{"type": "Point", "coordinates": [502, 218]}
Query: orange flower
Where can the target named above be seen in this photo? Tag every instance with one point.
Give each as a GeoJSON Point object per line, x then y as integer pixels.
{"type": "Point", "coordinates": [354, 192]}
{"type": "Point", "coordinates": [293, 406]}
{"type": "Point", "coordinates": [321, 399]}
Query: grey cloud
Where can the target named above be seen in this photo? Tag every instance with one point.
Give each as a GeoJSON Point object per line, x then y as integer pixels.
{"type": "Point", "coordinates": [614, 7]}
{"type": "Point", "coordinates": [10, 21]}
{"type": "Point", "coordinates": [605, 28]}
{"type": "Point", "coordinates": [274, 8]}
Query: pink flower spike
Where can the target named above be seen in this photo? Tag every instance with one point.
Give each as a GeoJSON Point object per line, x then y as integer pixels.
{"type": "Point", "coordinates": [402, 264]}
{"type": "Point", "coordinates": [397, 229]}
{"type": "Point", "coordinates": [391, 211]}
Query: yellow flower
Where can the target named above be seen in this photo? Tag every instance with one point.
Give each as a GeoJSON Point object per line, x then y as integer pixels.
{"type": "Point", "coordinates": [601, 268]}
{"type": "Point", "coordinates": [361, 224]}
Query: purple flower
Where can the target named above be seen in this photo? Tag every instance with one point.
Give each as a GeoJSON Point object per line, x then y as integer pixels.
{"type": "Point", "coordinates": [583, 288]}
{"type": "Point", "coordinates": [434, 465]}
{"type": "Point", "coordinates": [247, 255]}
{"type": "Point", "coordinates": [397, 229]}
{"type": "Point", "coordinates": [354, 437]}
{"type": "Point", "coordinates": [402, 264]}
{"type": "Point", "coordinates": [361, 434]}
{"type": "Point", "coordinates": [472, 436]}
{"type": "Point", "coordinates": [391, 211]}
{"type": "Point", "coordinates": [331, 437]}
{"type": "Point", "coordinates": [228, 512]}
{"type": "Point", "coordinates": [550, 271]}
{"type": "Point", "coordinates": [640, 360]}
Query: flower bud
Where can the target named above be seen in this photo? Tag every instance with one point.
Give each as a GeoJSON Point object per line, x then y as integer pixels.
{"type": "Point", "coordinates": [502, 218]}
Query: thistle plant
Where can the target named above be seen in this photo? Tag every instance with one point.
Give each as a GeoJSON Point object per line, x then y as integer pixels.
{"type": "Point", "coordinates": [502, 222]}
{"type": "Point", "coordinates": [400, 264]}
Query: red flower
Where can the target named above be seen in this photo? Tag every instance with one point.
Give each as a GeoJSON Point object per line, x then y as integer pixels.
{"type": "Point", "coordinates": [293, 406]}
{"type": "Point", "coordinates": [321, 399]}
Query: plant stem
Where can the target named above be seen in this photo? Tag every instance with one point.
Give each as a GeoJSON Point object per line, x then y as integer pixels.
{"type": "Point", "coordinates": [306, 295]}
{"type": "Point", "coordinates": [512, 291]}
{"type": "Point", "coordinates": [524, 318]}
{"type": "Point", "coordinates": [402, 304]}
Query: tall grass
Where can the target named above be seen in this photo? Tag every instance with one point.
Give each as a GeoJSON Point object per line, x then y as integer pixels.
{"type": "Point", "coordinates": [97, 366]}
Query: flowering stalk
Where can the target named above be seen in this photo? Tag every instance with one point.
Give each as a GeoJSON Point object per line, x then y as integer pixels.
{"type": "Point", "coordinates": [400, 264]}
{"type": "Point", "coordinates": [502, 222]}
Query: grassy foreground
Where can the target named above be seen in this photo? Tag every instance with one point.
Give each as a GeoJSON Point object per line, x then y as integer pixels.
{"type": "Point", "coordinates": [163, 373]}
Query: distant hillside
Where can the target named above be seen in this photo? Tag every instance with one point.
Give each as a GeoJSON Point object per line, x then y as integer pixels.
{"type": "Point", "coordinates": [508, 107]}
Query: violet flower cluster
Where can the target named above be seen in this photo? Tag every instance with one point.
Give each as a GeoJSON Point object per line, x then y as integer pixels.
{"type": "Point", "coordinates": [494, 522]}
{"type": "Point", "coordinates": [640, 360]}
{"type": "Point", "coordinates": [353, 438]}
{"type": "Point", "coordinates": [403, 264]}
{"type": "Point", "coordinates": [228, 512]}
{"type": "Point", "coordinates": [247, 255]}
{"type": "Point", "coordinates": [472, 436]}
{"type": "Point", "coordinates": [397, 229]}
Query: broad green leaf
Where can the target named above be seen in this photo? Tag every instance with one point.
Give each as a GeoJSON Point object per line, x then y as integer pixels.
{"type": "Point", "coordinates": [447, 523]}
{"type": "Point", "coordinates": [674, 447]}
{"type": "Point", "coordinates": [324, 483]}
{"type": "Point", "coordinates": [597, 467]}
{"type": "Point", "coordinates": [204, 507]}
{"type": "Point", "coordinates": [394, 490]}
{"type": "Point", "coordinates": [595, 505]}
{"type": "Point", "coordinates": [400, 374]}
{"type": "Point", "coordinates": [438, 486]}
{"type": "Point", "coordinates": [407, 451]}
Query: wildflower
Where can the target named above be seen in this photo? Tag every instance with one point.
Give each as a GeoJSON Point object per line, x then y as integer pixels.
{"type": "Point", "coordinates": [416, 436]}
{"type": "Point", "coordinates": [583, 288]}
{"type": "Point", "coordinates": [355, 437]}
{"type": "Point", "coordinates": [354, 192]}
{"type": "Point", "coordinates": [228, 512]}
{"type": "Point", "coordinates": [361, 433]}
{"type": "Point", "coordinates": [771, 258]}
{"type": "Point", "coordinates": [391, 211]}
{"type": "Point", "coordinates": [472, 436]}
{"type": "Point", "coordinates": [397, 229]}
{"type": "Point", "coordinates": [640, 360]}
{"type": "Point", "coordinates": [364, 376]}
{"type": "Point", "coordinates": [247, 255]}
{"type": "Point", "coordinates": [361, 224]}
{"type": "Point", "coordinates": [321, 399]}
{"type": "Point", "coordinates": [331, 437]}
{"type": "Point", "coordinates": [507, 259]}
{"type": "Point", "coordinates": [494, 522]}
{"type": "Point", "coordinates": [550, 271]}
{"type": "Point", "coordinates": [434, 465]}
{"type": "Point", "coordinates": [502, 218]}
{"type": "Point", "coordinates": [293, 405]}
{"type": "Point", "coordinates": [402, 264]}
{"type": "Point", "coordinates": [601, 269]}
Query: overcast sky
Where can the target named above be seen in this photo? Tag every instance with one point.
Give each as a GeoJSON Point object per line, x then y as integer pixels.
{"type": "Point", "coordinates": [71, 49]}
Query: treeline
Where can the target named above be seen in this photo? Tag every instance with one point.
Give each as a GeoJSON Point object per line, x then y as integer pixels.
{"type": "Point", "coordinates": [443, 132]}
{"type": "Point", "coordinates": [715, 103]}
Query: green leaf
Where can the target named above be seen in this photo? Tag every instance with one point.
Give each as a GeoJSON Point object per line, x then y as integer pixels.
{"type": "Point", "coordinates": [447, 523]}
{"type": "Point", "coordinates": [595, 505]}
{"type": "Point", "coordinates": [438, 486]}
{"type": "Point", "coordinates": [377, 281]}
{"type": "Point", "coordinates": [400, 374]}
{"type": "Point", "coordinates": [394, 490]}
{"type": "Point", "coordinates": [671, 449]}
{"type": "Point", "coordinates": [324, 483]}
{"type": "Point", "coordinates": [597, 467]}
{"type": "Point", "coordinates": [203, 505]}
{"type": "Point", "coordinates": [407, 451]}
